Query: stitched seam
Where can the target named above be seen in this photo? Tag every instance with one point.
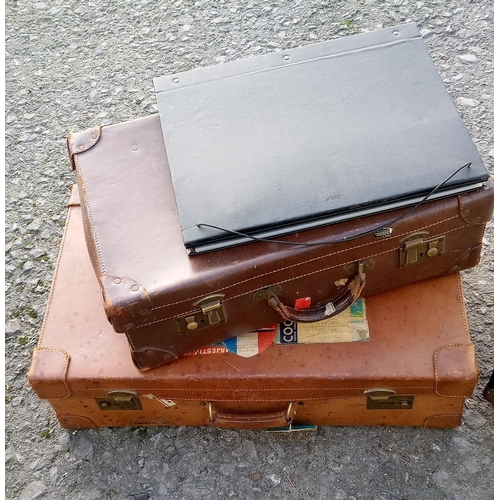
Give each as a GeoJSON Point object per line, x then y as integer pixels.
{"type": "Point", "coordinates": [88, 235]}
{"type": "Point", "coordinates": [260, 288]}
{"type": "Point", "coordinates": [54, 279]}
{"type": "Point", "coordinates": [464, 312]}
{"type": "Point", "coordinates": [70, 415]}
{"type": "Point", "coordinates": [442, 415]}
{"type": "Point", "coordinates": [129, 338]}
{"type": "Point", "coordinates": [274, 284]}
{"type": "Point", "coordinates": [436, 375]}
{"type": "Point", "coordinates": [66, 356]}
{"type": "Point", "coordinates": [329, 398]}
{"type": "Point", "coordinates": [251, 390]}
{"type": "Point", "coordinates": [89, 212]}
{"type": "Point", "coordinates": [322, 257]}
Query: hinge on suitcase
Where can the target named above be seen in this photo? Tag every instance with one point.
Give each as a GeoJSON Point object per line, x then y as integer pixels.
{"type": "Point", "coordinates": [211, 313]}
{"type": "Point", "coordinates": [415, 249]}
{"type": "Point", "coordinates": [119, 400]}
{"type": "Point", "coordinates": [387, 399]}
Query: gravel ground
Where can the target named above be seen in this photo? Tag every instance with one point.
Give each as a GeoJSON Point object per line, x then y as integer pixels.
{"type": "Point", "coordinates": [71, 65]}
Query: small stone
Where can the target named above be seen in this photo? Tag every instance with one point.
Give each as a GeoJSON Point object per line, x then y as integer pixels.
{"type": "Point", "coordinates": [275, 479]}
{"type": "Point", "coordinates": [467, 101]}
{"type": "Point", "coordinates": [93, 495]}
{"type": "Point", "coordinates": [141, 462]}
{"type": "Point", "coordinates": [34, 490]}
{"type": "Point", "coordinates": [84, 450]}
{"type": "Point", "coordinates": [140, 496]}
{"type": "Point", "coordinates": [227, 469]}
{"type": "Point", "coordinates": [256, 476]}
{"type": "Point", "coordinates": [34, 226]}
{"type": "Point", "coordinates": [492, 153]}
{"type": "Point", "coordinates": [441, 478]}
{"type": "Point", "coordinates": [28, 266]}
{"type": "Point", "coordinates": [36, 253]}
{"type": "Point", "coordinates": [474, 419]}
{"type": "Point", "coordinates": [463, 446]}
{"type": "Point", "coordinates": [12, 328]}
{"type": "Point", "coordinates": [426, 33]}
{"type": "Point", "coordinates": [470, 58]}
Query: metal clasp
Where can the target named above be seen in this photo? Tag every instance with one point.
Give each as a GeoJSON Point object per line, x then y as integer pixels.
{"type": "Point", "coordinates": [415, 248]}
{"type": "Point", "coordinates": [387, 399]}
{"type": "Point", "coordinates": [119, 400]}
{"type": "Point", "coordinates": [211, 313]}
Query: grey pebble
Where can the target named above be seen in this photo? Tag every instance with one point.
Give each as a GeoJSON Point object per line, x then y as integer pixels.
{"type": "Point", "coordinates": [470, 58]}
{"type": "Point", "coordinates": [468, 101]}
{"type": "Point", "coordinates": [34, 490]}
{"type": "Point", "coordinates": [12, 328]}
{"type": "Point", "coordinates": [84, 450]}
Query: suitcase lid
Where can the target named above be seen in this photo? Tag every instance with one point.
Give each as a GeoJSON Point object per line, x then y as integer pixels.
{"type": "Point", "coordinates": [79, 355]}
{"type": "Point", "coordinates": [291, 140]}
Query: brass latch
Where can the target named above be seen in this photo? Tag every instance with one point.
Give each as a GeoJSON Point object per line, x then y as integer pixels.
{"type": "Point", "coordinates": [386, 399]}
{"type": "Point", "coordinates": [119, 400]}
{"type": "Point", "coordinates": [211, 313]}
{"type": "Point", "coordinates": [415, 248]}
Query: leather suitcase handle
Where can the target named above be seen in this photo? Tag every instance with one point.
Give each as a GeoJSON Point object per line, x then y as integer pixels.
{"type": "Point", "coordinates": [229, 420]}
{"type": "Point", "coordinates": [351, 293]}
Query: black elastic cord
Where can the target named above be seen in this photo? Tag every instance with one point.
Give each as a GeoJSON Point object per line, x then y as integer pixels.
{"type": "Point", "coordinates": [341, 240]}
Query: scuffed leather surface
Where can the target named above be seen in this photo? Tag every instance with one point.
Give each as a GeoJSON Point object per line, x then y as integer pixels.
{"type": "Point", "coordinates": [126, 302]}
{"type": "Point", "coordinates": [48, 372]}
{"type": "Point", "coordinates": [456, 363]}
{"type": "Point", "coordinates": [132, 229]}
{"type": "Point", "coordinates": [407, 327]}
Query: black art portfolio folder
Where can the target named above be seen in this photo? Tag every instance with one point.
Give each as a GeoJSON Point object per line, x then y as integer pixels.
{"type": "Point", "coordinates": [297, 139]}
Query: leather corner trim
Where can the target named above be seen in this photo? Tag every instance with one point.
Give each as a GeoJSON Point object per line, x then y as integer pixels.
{"type": "Point", "coordinates": [469, 258]}
{"type": "Point", "coordinates": [78, 142]}
{"type": "Point", "coordinates": [48, 373]}
{"type": "Point", "coordinates": [74, 196]}
{"type": "Point", "coordinates": [126, 302]}
{"type": "Point", "coordinates": [472, 212]}
{"type": "Point", "coordinates": [75, 422]}
{"type": "Point", "coordinates": [455, 370]}
{"type": "Point", "coordinates": [444, 421]}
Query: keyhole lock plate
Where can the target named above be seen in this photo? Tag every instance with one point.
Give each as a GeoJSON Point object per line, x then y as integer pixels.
{"type": "Point", "coordinates": [211, 312]}
{"type": "Point", "coordinates": [383, 399]}
{"type": "Point", "coordinates": [119, 400]}
{"type": "Point", "coordinates": [415, 249]}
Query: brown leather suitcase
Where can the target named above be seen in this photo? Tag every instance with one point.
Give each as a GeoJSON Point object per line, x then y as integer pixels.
{"type": "Point", "coordinates": [168, 303]}
{"type": "Point", "coordinates": [416, 369]}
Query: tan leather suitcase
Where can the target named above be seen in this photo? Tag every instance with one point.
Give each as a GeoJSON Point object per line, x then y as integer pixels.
{"type": "Point", "coordinates": [416, 369]}
{"type": "Point", "coordinates": [168, 303]}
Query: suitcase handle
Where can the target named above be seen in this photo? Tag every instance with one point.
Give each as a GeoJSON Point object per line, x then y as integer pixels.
{"type": "Point", "coordinates": [229, 420]}
{"type": "Point", "coordinates": [353, 289]}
